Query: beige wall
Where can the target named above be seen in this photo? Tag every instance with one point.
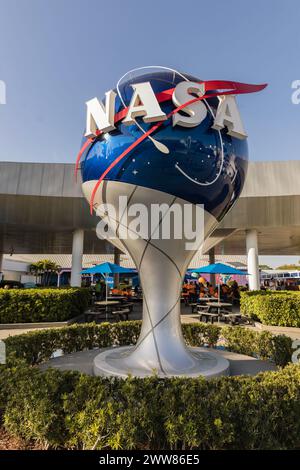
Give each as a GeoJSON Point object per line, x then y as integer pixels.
{"type": "Point", "coordinates": [12, 275]}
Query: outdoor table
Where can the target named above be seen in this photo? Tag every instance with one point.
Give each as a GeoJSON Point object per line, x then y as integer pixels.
{"type": "Point", "coordinates": [107, 303]}
{"type": "Point", "coordinates": [208, 316]}
{"type": "Point", "coordinates": [205, 300]}
{"type": "Point", "coordinates": [93, 315]}
{"type": "Point", "coordinates": [200, 300]}
{"type": "Point", "coordinates": [218, 305]}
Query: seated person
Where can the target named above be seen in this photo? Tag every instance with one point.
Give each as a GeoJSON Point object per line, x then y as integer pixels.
{"type": "Point", "coordinates": [224, 292]}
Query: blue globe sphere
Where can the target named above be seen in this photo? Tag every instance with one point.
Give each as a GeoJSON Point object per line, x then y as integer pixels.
{"type": "Point", "coordinates": [203, 166]}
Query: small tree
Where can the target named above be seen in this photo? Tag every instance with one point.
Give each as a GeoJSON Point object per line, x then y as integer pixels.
{"type": "Point", "coordinates": [44, 268]}
{"type": "Point", "coordinates": [289, 267]}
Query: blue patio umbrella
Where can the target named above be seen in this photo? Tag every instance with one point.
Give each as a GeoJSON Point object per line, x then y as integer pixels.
{"type": "Point", "coordinates": [218, 268]}
{"type": "Point", "coordinates": [106, 269]}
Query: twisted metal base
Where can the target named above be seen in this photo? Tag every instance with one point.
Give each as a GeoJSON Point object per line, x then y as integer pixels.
{"type": "Point", "coordinates": [122, 362]}
{"type": "Point", "coordinates": [161, 264]}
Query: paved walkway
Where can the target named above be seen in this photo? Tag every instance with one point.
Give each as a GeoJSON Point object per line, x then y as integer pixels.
{"type": "Point", "coordinates": [18, 331]}
{"type": "Point", "coordinates": [293, 333]}
{"type": "Point", "coordinates": [186, 317]}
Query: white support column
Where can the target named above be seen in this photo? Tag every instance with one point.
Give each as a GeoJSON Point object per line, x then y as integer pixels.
{"type": "Point", "coordinates": [252, 256]}
{"type": "Point", "coordinates": [77, 252]}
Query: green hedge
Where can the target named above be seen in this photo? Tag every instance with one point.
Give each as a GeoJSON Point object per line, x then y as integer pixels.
{"type": "Point", "coordinates": [72, 410]}
{"type": "Point", "coordinates": [277, 308]}
{"type": "Point", "coordinates": [42, 305]}
{"type": "Point", "coordinates": [38, 346]}
{"type": "Point", "coordinates": [261, 345]}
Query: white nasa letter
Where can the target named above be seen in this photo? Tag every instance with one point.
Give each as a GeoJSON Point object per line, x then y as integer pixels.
{"type": "Point", "coordinates": [228, 115]}
{"type": "Point", "coordinates": [144, 103]}
{"type": "Point", "coordinates": [196, 112]}
{"type": "Point", "coordinates": [99, 117]}
{"type": "Point", "coordinates": [296, 94]}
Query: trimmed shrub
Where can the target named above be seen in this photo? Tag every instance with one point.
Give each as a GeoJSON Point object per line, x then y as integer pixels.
{"type": "Point", "coordinates": [262, 345]}
{"type": "Point", "coordinates": [42, 305]}
{"type": "Point", "coordinates": [276, 308]}
{"type": "Point", "coordinates": [71, 410]}
{"type": "Point", "coordinates": [38, 346]}
{"type": "Point", "coordinates": [201, 334]}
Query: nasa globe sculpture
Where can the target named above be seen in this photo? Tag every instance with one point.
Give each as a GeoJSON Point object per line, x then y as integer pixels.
{"type": "Point", "coordinates": [172, 148]}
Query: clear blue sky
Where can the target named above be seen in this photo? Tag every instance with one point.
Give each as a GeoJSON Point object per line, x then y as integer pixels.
{"type": "Point", "coordinates": [56, 54]}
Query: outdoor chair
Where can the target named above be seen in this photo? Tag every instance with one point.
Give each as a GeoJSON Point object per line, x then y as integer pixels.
{"type": "Point", "coordinates": [235, 301]}
{"type": "Point", "coordinates": [208, 316]}
{"type": "Point", "coordinates": [193, 306]}
{"type": "Point", "coordinates": [128, 305]}
{"type": "Point", "coordinates": [202, 308]}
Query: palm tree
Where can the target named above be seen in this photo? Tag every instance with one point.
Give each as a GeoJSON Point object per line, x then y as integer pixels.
{"type": "Point", "coordinates": [44, 268]}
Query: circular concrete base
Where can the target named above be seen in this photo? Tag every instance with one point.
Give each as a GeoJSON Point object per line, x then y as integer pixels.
{"type": "Point", "coordinates": [83, 362]}
{"type": "Point", "coordinates": [118, 362]}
